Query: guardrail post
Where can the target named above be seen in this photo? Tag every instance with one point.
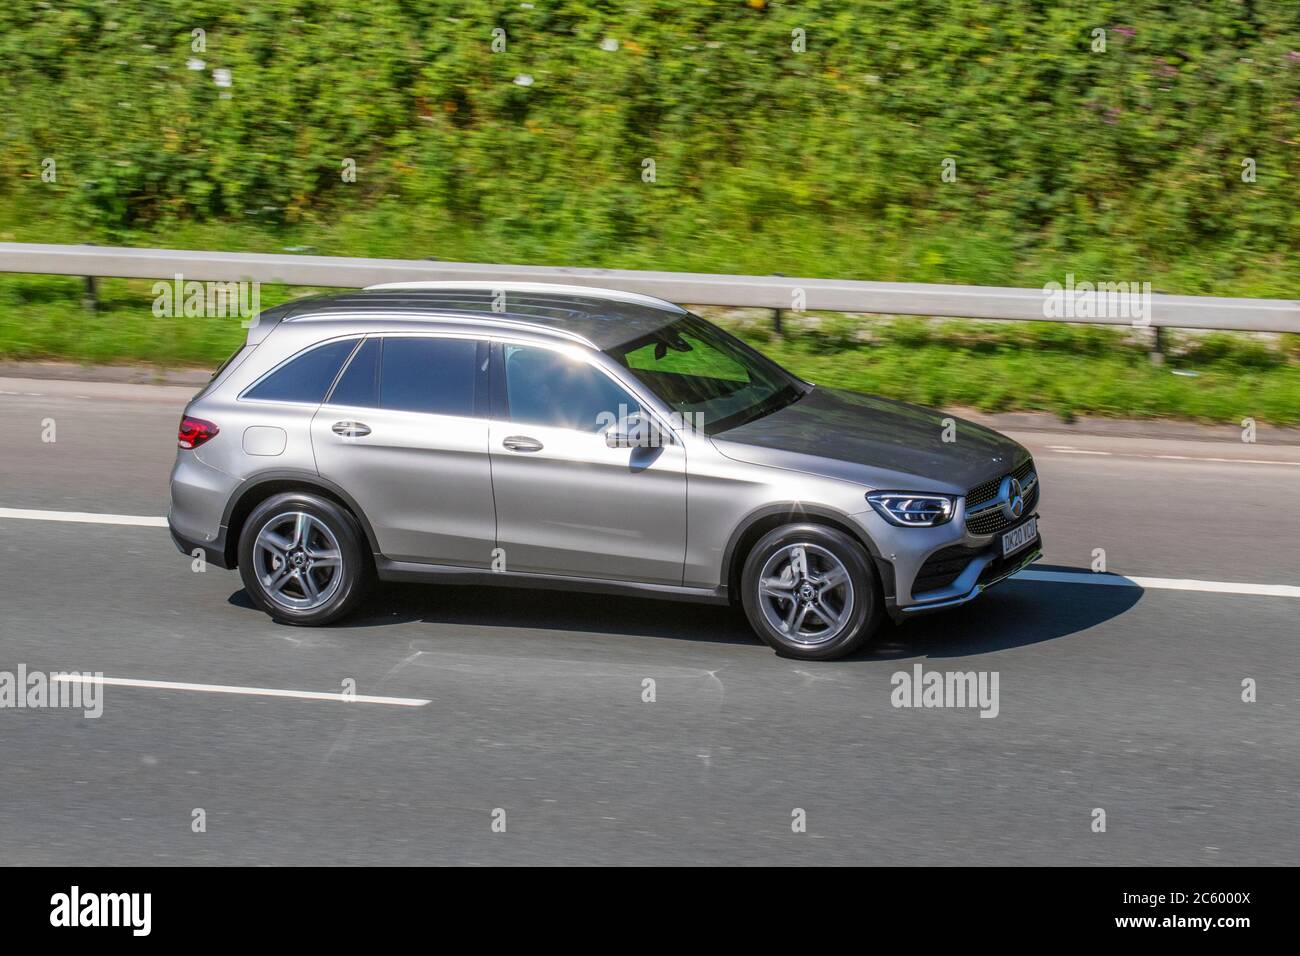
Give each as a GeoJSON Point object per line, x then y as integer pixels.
{"type": "Point", "coordinates": [776, 313]}
{"type": "Point", "coordinates": [90, 298]}
{"type": "Point", "coordinates": [1157, 353]}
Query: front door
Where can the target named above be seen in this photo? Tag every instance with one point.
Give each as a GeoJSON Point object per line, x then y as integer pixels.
{"type": "Point", "coordinates": [567, 503]}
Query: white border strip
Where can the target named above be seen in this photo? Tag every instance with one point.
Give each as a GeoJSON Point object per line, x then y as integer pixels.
{"type": "Point", "coordinates": [244, 691]}
{"type": "Point", "coordinates": [1163, 584]}
{"type": "Point", "coordinates": [84, 517]}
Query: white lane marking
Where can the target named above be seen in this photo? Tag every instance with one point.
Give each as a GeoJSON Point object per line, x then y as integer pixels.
{"type": "Point", "coordinates": [1235, 461]}
{"type": "Point", "coordinates": [84, 517]}
{"type": "Point", "coordinates": [1075, 451]}
{"type": "Point", "coordinates": [1067, 450]}
{"type": "Point", "coordinates": [245, 691]}
{"type": "Point", "coordinates": [1163, 584]}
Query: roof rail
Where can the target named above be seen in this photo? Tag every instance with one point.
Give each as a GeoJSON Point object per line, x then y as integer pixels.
{"type": "Point", "coordinates": [587, 292]}
{"type": "Point", "coordinates": [460, 318]}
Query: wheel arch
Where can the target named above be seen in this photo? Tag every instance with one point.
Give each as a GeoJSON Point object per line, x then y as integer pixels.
{"type": "Point", "coordinates": [760, 522]}
{"type": "Point", "coordinates": [256, 490]}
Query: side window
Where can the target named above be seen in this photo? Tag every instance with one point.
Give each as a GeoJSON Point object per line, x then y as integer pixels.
{"type": "Point", "coordinates": [304, 378]}
{"type": "Point", "coordinates": [548, 388]}
{"type": "Point", "coordinates": [428, 375]}
{"type": "Point", "coordinates": [359, 383]}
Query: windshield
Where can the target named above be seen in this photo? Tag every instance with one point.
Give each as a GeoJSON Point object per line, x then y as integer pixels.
{"type": "Point", "coordinates": [712, 379]}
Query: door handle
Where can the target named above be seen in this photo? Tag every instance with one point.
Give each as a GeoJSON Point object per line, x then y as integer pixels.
{"type": "Point", "coordinates": [521, 443]}
{"type": "Point", "coordinates": [350, 429]}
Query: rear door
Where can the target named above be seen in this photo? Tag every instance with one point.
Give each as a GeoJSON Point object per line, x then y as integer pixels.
{"type": "Point", "coordinates": [405, 433]}
{"type": "Point", "coordinates": [567, 503]}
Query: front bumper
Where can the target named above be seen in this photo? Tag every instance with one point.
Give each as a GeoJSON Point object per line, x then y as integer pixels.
{"type": "Point", "coordinates": [981, 574]}
{"type": "Point", "coordinates": [968, 564]}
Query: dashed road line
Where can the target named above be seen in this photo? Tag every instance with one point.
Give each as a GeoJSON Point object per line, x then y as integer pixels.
{"type": "Point", "coordinates": [1069, 450]}
{"type": "Point", "coordinates": [243, 691]}
{"type": "Point", "coordinates": [1233, 461]}
{"type": "Point", "coordinates": [84, 517]}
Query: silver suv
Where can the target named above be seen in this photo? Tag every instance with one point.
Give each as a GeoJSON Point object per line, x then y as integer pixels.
{"type": "Point", "coordinates": [583, 439]}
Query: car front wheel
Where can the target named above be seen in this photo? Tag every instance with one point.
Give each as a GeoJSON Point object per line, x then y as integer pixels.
{"type": "Point", "coordinates": [302, 559]}
{"type": "Point", "coordinates": [810, 592]}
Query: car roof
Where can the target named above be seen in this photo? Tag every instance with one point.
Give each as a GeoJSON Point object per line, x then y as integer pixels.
{"type": "Point", "coordinates": [602, 318]}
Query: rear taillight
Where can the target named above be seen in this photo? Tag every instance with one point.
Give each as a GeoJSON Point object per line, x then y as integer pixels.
{"type": "Point", "coordinates": [194, 432]}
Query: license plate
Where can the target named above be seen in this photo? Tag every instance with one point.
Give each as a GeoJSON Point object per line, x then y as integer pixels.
{"type": "Point", "coordinates": [1017, 538]}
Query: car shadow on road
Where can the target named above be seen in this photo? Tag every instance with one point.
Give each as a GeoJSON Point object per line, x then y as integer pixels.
{"type": "Point", "coordinates": [490, 607]}
{"type": "Point", "coordinates": [1014, 614]}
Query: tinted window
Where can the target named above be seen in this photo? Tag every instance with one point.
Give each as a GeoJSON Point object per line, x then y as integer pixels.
{"type": "Point", "coordinates": [428, 375]}
{"type": "Point", "coordinates": [547, 388]}
{"type": "Point", "coordinates": [305, 378]}
{"type": "Point", "coordinates": [359, 384]}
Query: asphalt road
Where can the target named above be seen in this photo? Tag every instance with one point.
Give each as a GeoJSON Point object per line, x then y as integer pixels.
{"type": "Point", "coordinates": [1126, 699]}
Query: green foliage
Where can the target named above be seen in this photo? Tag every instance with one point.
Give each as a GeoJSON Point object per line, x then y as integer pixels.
{"type": "Point", "coordinates": [1123, 164]}
{"type": "Point", "coordinates": [1078, 370]}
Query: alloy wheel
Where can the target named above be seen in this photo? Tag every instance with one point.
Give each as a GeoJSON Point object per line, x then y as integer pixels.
{"type": "Point", "coordinates": [805, 593]}
{"type": "Point", "coordinates": [298, 561]}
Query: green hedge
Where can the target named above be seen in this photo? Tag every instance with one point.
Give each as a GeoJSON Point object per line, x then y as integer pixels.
{"type": "Point", "coordinates": [1118, 164]}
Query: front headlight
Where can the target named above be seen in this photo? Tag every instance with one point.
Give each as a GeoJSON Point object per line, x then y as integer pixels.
{"type": "Point", "coordinates": [911, 510]}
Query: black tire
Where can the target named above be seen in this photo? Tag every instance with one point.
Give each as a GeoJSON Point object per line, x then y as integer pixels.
{"type": "Point", "coordinates": [855, 606]}
{"type": "Point", "coordinates": [326, 519]}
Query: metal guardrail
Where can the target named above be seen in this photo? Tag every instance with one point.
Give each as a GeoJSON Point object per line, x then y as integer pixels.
{"type": "Point", "coordinates": [769, 292]}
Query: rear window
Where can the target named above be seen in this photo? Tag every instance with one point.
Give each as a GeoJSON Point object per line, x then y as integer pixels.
{"type": "Point", "coordinates": [305, 377]}
{"type": "Point", "coordinates": [428, 375]}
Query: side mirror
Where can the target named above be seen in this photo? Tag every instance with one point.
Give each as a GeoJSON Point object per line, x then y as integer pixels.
{"type": "Point", "coordinates": [637, 431]}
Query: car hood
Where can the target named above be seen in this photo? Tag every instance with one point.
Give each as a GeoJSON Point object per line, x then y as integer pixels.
{"type": "Point", "coordinates": [877, 441]}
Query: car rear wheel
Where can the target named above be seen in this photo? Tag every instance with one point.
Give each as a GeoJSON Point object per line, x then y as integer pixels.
{"type": "Point", "coordinates": [810, 592]}
{"type": "Point", "coordinates": [302, 559]}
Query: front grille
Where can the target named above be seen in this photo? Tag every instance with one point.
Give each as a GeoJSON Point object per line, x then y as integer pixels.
{"type": "Point", "coordinates": [993, 521]}
{"type": "Point", "coordinates": [989, 489]}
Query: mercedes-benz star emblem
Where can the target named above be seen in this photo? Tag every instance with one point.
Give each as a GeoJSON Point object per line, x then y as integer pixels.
{"type": "Point", "coordinates": [1013, 498]}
